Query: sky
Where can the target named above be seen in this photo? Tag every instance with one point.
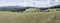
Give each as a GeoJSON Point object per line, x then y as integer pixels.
{"type": "Point", "coordinates": [32, 3]}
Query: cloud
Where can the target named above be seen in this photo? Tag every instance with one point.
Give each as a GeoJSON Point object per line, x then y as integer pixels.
{"type": "Point", "coordinates": [39, 4]}
{"type": "Point", "coordinates": [55, 2]}
{"type": "Point", "coordinates": [34, 3]}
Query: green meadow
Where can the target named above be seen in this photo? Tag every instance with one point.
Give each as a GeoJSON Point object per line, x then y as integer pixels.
{"type": "Point", "coordinates": [29, 16]}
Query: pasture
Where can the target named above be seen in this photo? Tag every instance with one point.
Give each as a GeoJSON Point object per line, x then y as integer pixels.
{"type": "Point", "coordinates": [29, 16]}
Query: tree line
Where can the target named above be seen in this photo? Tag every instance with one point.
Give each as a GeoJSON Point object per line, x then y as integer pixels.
{"type": "Point", "coordinates": [22, 8]}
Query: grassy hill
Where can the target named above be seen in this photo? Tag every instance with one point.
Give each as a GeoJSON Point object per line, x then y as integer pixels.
{"type": "Point", "coordinates": [29, 17]}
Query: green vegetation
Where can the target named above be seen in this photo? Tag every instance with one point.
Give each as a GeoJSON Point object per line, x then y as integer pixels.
{"type": "Point", "coordinates": [29, 16]}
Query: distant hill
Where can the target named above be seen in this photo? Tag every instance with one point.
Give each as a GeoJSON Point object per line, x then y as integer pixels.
{"type": "Point", "coordinates": [11, 6]}
{"type": "Point", "coordinates": [14, 8]}
{"type": "Point", "coordinates": [57, 6]}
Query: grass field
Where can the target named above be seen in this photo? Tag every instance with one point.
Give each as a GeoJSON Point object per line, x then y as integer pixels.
{"type": "Point", "coordinates": [29, 17]}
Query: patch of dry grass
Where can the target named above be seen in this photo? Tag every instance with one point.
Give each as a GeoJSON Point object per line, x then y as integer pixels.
{"type": "Point", "coordinates": [27, 17]}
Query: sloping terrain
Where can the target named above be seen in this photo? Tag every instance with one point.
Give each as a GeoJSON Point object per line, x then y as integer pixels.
{"type": "Point", "coordinates": [29, 17]}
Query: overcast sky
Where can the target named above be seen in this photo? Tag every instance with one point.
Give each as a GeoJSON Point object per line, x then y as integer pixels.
{"type": "Point", "coordinates": [35, 3]}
